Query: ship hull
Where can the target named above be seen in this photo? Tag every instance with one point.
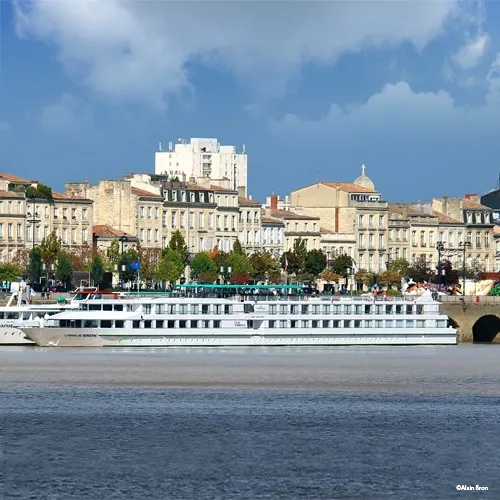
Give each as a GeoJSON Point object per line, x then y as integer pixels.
{"type": "Point", "coordinates": [12, 335]}
{"type": "Point", "coordinates": [59, 337]}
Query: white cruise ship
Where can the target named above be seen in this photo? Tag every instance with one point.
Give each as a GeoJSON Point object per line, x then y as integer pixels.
{"type": "Point", "coordinates": [20, 313]}
{"type": "Point", "coordinates": [219, 315]}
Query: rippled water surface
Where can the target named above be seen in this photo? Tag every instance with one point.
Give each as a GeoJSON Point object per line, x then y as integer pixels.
{"type": "Point", "coordinates": [249, 423]}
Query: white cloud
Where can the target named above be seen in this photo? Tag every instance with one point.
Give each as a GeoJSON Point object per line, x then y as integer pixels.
{"type": "Point", "coordinates": [471, 53]}
{"type": "Point", "coordinates": [66, 116]}
{"type": "Point", "coordinates": [140, 50]}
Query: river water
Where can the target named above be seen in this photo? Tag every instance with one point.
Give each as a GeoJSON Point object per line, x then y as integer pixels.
{"type": "Point", "coordinates": [375, 422]}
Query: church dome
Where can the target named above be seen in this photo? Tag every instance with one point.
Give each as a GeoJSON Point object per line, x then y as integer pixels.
{"type": "Point", "coordinates": [364, 181]}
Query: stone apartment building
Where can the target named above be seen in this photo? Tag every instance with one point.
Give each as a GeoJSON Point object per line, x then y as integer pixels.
{"type": "Point", "coordinates": [250, 224]}
{"type": "Point", "coordinates": [353, 216]}
{"type": "Point", "coordinates": [25, 222]}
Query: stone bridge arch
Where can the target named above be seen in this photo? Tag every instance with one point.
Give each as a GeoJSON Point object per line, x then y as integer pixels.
{"type": "Point", "coordinates": [477, 319]}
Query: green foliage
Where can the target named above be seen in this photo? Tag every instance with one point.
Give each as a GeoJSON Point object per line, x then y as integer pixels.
{"type": "Point", "coordinates": [50, 248]}
{"type": "Point", "coordinates": [341, 264]}
{"type": "Point", "coordinates": [420, 271]}
{"type": "Point", "coordinates": [97, 269]}
{"type": "Point", "coordinates": [237, 248]}
{"type": "Point", "coordinates": [300, 251]}
{"type": "Point", "coordinates": [113, 253]}
{"type": "Point", "coordinates": [495, 291]}
{"type": "Point", "coordinates": [35, 264]}
{"type": "Point", "coordinates": [294, 264]}
{"type": "Point", "coordinates": [400, 266]}
{"type": "Point", "coordinates": [238, 263]}
{"type": "Point", "coordinates": [40, 191]}
{"type": "Point", "coordinates": [170, 266]}
{"type": "Point", "coordinates": [126, 258]}
{"type": "Point", "coordinates": [263, 263]}
{"type": "Point", "coordinates": [202, 263]}
{"type": "Point", "coordinates": [389, 278]}
{"type": "Point", "coordinates": [220, 259]}
{"type": "Point", "coordinates": [315, 262]}
{"type": "Point", "coordinates": [64, 268]}
{"type": "Point", "coordinates": [9, 272]}
{"type": "Point", "coordinates": [178, 243]}
{"type": "Point", "coordinates": [365, 277]}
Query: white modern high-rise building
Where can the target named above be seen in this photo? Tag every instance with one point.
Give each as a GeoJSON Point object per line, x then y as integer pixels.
{"type": "Point", "coordinates": [204, 158]}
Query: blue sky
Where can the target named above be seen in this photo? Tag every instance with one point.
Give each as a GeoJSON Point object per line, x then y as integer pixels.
{"type": "Point", "coordinates": [313, 89]}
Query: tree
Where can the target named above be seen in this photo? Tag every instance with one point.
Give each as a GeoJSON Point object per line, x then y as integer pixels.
{"type": "Point", "coordinates": [50, 248]}
{"type": "Point", "coordinates": [263, 263]}
{"type": "Point", "coordinates": [64, 269]}
{"type": "Point", "coordinates": [400, 266]}
{"type": "Point", "coordinates": [113, 253]}
{"type": "Point", "coordinates": [475, 270]}
{"type": "Point", "coordinates": [39, 191]}
{"type": "Point", "coordinates": [9, 272]}
{"type": "Point", "coordinates": [237, 248]}
{"type": "Point", "coordinates": [240, 278]}
{"type": "Point", "coordinates": [451, 276]}
{"type": "Point", "coordinates": [80, 257]}
{"type": "Point", "coordinates": [365, 277]}
{"type": "Point", "coordinates": [341, 264]}
{"type": "Point", "coordinates": [315, 262]}
{"type": "Point", "coordinates": [126, 258]}
{"type": "Point", "coordinates": [219, 258]}
{"type": "Point", "coordinates": [202, 263]}
{"type": "Point", "coordinates": [35, 264]}
{"type": "Point", "coordinates": [178, 243]}
{"type": "Point", "coordinates": [149, 259]}
{"type": "Point", "coordinates": [170, 267]}
{"type": "Point", "coordinates": [290, 262]}
{"type": "Point", "coordinates": [389, 278]}
{"type": "Point", "coordinates": [208, 277]}
{"type": "Point", "coordinates": [300, 251]}
{"type": "Point", "coordinates": [238, 263]}
{"type": "Point", "coordinates": [420, 271]}
{"type": "Point", "coordinates": [329, 276]}
{"type": "Point", "coordinates": [21, 260]}
{"type": "Point", "coordinates": [97, 269]}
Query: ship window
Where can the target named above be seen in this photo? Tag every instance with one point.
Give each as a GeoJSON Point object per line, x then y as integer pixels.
{"type": "Point", "coordinates": [420, 323]}
{"type": "Point", "coordinates": [1, 315]}
{"type": "Point", "coordinates": [183, 309]}
{"type": "Point", "coordinates": [336, 323]}
{"type": "Point", "coordinates": [315, 323]}
{"type": "Point", "coordinates": [316, 309]}
{"type": "Point", "coordinates": [409, 309]}
{"type": "Point", "coordinates": [283, 309]}
{"type": "Point", "coordinates": [336, 309]}
{"type": "Point", "coordinates": [183, 323]}
{"type": "Point", "coordinates": [294, 309]}
{"type": "Point", "coordinates": [148, 323]}
{"type": "Point", "coordinates": [248, 308]}
{"type": "Point", "coordinates": [63, 323]}
{"type": "Point", "coordinates": [305, 323]}
{"type": "Point", "coordinates": [272, 324]}
{"type": "Point", "coordinates": [305, 308]}
{"type": "Point", "coordinates": [389, 323]}
{"type": "Point", "coordinates": [118, 307]}
{"type": "Point", "coordinates": [368, 323]}
{"type": "Point", "coordinates": [399, 309]}
{"type": "Point", "coordinates": [293, 323]}
{"type": "Point", "coordinates": [77, 323]}
{"type": "Point", "coordinates": [159, 323]}
{"type": "Point", "coordinates": [326, 309]}
{"type": "Point", "coordinates": [217, 323]}
{"type": "Point", "coordinates": [359, 309]}
{"type": "Point", "coordinates": [409, 323]}
{"type": "Point", "coordinates": [90, 323]}
{"type": "Point", "coordinates": [147, 308]}
{"type": "Point", "coordinates": [119, 323]}
{"type": "Point", "coordinates": [205, 324]}
{"type": "Point", "coordinates": [357, 323]}
{"type": "Point", "coordinates": [171, 309]}
{"type": "Point", "coordinates": [83, 307]}
{"type": "Point", "coordinates": [194, 323]}
{"type": "Point", "coordinates": [205, 309]}
{"type": "Point", "coordinates": [194, 309]}
{"type": "Point", "coordinates": [107, 307]}
{"type": "Point", "coordinates": [250, 324]}
{"type": "Point", "coordinates": [136, 324]}
{"type": "Point", "coordinates": [379, 309]}
{"type": "Point", "coordinates": [347, 323]}
{"type": "Point", "coordinates": [228, 309]}
{"type": "Point", "coordinates": [368, 309]}
{"type": "Point", "coordinates": [420, 309]}
{"type": "Point", "coordinates": [326, 323]}
{"type": "Point", "coordinates": [347, 309]}
{"type": "Point", "coordinates": [272, 309]}
{"type": "Point", "coordinates": [106, 323]}
{"type": "Point", "coordinates": [94, 307]}
{"type": "Point", "coordinates": [217, 309]}
{"type": "Point", "coordinates": [283, 323]}
{"type": "Point", "coordinates": [388, 309]}
{"type": "Point", "coordinates": [441, 323]}
{"type": "Point", "coordinates": [171, 323]}
{"type": "Point", "coordinates": [160, 308]}
{"type": "Point", "coordinates": [399, 323]}
{"type": "Point", "coordinates": [378, 323]}
{"type": "Point", "coordinates": [12, 316]}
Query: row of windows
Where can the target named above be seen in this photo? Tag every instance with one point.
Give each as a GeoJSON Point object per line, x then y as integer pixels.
{"type": "Point", "coordinates": [371, 221]}
{"type": "Point", "coordinates": [17, 207]}
{"type": "Point", "coordinates": [63, 233]}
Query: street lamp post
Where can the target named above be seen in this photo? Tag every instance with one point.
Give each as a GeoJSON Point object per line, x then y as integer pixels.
{"type": "Point", "coordinates": [32, 218]}
{"type": "Point", "coordinates": [439, 248]}
{"type": "Point", "coordinates": [224, 272]}
{"type": "Point", "coordinates": [464, 245]}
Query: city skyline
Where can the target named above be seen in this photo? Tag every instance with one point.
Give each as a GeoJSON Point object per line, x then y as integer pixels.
{"type": "Point", "coordinates": [416, 102]}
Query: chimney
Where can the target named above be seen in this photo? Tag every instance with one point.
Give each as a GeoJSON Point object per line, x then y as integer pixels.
{"type": "Point", "coordinates": [274, 202]}
{"type": "Point", "coordinates": [473, 197]}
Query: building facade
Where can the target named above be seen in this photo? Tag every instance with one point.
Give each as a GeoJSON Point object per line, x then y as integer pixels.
{"type": "Point", "coordinates": [204, 158]}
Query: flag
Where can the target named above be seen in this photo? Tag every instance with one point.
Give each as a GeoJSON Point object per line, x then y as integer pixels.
{"type": "Point", "coordinates": [135, 266]}
{"type": "Point", "coordinates": [286, 262]}
{"type": "Point", "coordinates": [354, 268]}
